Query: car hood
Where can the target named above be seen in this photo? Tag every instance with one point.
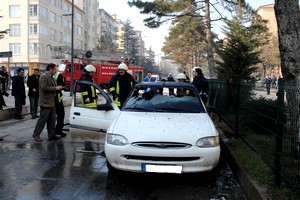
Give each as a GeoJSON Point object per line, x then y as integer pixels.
{"type": "Point", "coordinates": [177, 127]}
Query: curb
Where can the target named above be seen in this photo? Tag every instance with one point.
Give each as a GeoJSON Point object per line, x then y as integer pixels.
{"type": "Point", "coordinates": [251, 190]}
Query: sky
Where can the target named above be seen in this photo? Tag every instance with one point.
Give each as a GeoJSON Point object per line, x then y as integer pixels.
{"type": "Point", "coordinates": [153, 38]}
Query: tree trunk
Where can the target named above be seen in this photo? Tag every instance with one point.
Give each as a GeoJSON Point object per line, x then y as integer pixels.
{"type": "Point", "coordinates": [209, 41]}
{"type": "Point", "coordinates": [288, 21]}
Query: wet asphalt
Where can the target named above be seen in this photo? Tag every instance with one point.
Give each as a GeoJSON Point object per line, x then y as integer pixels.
{"type": "Point", "coordinates": [75, 168]}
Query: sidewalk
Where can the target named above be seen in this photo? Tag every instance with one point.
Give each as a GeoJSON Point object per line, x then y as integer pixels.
{"type": "Point", "coordinates": [8, 110]}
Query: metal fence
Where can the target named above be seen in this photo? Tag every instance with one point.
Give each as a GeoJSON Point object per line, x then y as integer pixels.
{"type": "Point", "coordinates": [269, 126]}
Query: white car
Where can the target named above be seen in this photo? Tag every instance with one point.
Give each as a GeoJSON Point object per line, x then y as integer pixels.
{"type": "Point", "coordinates": [158, 132]}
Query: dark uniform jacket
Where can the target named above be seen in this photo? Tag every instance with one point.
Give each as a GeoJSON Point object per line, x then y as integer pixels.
{"type": "Point", "coordinates": [120, 87]}
{"type": "Point", "coordinates": [18, 88]}
{"type": "Point", "coordinates": [33, 83]}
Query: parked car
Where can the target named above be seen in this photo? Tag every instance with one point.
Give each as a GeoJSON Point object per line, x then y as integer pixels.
{"type": "Point", "coordinates": [155, 131]}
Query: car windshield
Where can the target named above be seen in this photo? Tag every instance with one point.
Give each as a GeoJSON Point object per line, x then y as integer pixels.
{"type": "Point", "coordinates": [61, 67]}
{"type": "Point", "coordinates": [162, 98]}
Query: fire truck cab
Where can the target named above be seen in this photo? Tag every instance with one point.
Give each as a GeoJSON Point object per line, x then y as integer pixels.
{"type": "Point", "coordinates": [106, 66]}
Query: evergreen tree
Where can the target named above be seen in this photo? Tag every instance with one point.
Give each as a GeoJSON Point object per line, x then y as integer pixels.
{"type": "Point", "coordinates": [240, 52]}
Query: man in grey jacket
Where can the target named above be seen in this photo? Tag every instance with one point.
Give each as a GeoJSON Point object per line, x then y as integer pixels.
{"type": "Point", "coordinates": [47, 91]}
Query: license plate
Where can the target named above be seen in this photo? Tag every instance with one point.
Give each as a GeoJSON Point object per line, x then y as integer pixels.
{"type": "Point", "coordinates": [162, 168]}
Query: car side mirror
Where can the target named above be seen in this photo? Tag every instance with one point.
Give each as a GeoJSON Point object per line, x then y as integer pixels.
{"type": "Point", "coordinates": [105, 107]}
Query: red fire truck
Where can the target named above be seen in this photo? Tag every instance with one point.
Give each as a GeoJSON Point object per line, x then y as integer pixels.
{"type": "Point", "coordinates": [106, 66]}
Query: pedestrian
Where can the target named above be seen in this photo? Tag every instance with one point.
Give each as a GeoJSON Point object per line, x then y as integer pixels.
{"type": "Point", "coordinates": [171, 79]}
{"type": "Point", "coordinates": [120, 85]}
{"type": "Point", "coordinates": [274, 80]}
{"type": "Point", "coordinates": [59, 105]}
{"type": "Point", "coordinates": [4, 80]}
{"type": "Point", "coordinates": [88, 92]}
{"type": "Point", "coordinates": [201, 84]}
{"type": "Point", "coordinates": [47, 91]}
{"type": "Point", "coordinates": [268, 82]}
{"type": "Point", "coordinates": [149, 77]}
{"type": "Point", "coordinates": [33, 92]}
{"type": "Point", "coordinates": [18, 91]}
{"type": "Point", "coordinates": [187, 79]}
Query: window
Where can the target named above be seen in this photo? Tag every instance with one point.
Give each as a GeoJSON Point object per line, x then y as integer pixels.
{"type": "Point", "coordinates": [33, 29]}
{"type": "Point", "coordinates": [79, 17]}
{"type": "Point", "coordinates": [33, 48]}
{"type": "Point", "coordinates": [52, 17]}
{"type": "Point", "coordinates": [59, 20]}
{"type": "Point", "coordinates": [59, 37]}
{"type": "Point", "coordinates": [14, 11]}
{"type": "Point", "coordinates": [59, 4]}
{"type": "Point", "coordinates": [67, 38]}
{"type": "Point", "coordinates": [15, 30]}
{"type": "Point", "coordinates": [42, 11]}
{"type": "Point", "coordinates": [53, 2]}
{"type": "Point", "coordinates": [52, 34]}
{"type": "Point", "coordinates": [42, 30]}
{"type": "Point", "coordinates": [79, 30]}
{"type": "Point", "coordinates": [33, 10]}
{"type": "Point", "coordinates": [15, 48]}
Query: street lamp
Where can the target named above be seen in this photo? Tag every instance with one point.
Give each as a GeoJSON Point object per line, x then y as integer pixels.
{"type": "Point", "coordinates": [72, 46]}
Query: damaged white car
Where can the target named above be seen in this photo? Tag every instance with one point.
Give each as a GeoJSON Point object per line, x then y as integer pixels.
{"type": "Point", "coordinates": [163, 127]}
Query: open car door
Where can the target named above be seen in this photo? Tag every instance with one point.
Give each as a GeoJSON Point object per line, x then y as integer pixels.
{"type": "Point", "coordinates": [91, 117]}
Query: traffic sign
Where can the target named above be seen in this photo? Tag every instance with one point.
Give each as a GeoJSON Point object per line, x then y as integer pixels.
{"type": "Point", "coordinates": [5, 54]}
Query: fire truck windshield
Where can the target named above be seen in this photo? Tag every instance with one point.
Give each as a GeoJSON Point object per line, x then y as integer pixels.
{"type": "Point", "coordinates": [61, 67]}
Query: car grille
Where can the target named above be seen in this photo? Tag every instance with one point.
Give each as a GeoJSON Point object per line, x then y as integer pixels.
{"type": "Point", "coordinates": [162, 145]}
{"type": "Point", "coordinates": [164, 159]}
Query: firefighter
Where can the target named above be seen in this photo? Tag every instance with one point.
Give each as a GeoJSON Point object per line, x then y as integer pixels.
{"type": "Point", "coordinates": [59, 105]}
{"type": "Point", "coordinates": [181, 77]}
{"type": "Point", "coordinates": [88, 92]}
{"type": "Point", "coordinates": [120, 85]}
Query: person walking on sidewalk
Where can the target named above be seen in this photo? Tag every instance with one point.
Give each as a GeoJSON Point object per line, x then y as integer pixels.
{"type": "Point", "coordinates": [59, 105]}
{"type": "Point", "coordinates": [18, 91]}
{"type": "Point", "coordinates": [33, 92]}
{"type": "Point", "coordinates": [47, 91]}
{"type": "Point", "coordinates": [4, 80]}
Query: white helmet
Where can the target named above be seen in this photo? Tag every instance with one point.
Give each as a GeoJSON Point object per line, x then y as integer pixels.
{"type": "Point", "coordinates": [181, 76]}
{"type": "Point", "coordinates": [90, 68]}
{"type": "Point", "coordinates": [194, 69]}
{"type": "Point", "coordinates": [123, 66]}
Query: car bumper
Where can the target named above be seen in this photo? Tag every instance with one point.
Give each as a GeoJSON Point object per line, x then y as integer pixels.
{"type": "Point", "coordinates": [134, 159]}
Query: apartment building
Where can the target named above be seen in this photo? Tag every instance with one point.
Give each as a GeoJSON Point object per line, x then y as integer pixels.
{"type": "Point", "coordinates": [267, 13]}
{"type": "Point", "coordinates": [36, 28]}
{"type": "Point", "coordinates": [107, 27]}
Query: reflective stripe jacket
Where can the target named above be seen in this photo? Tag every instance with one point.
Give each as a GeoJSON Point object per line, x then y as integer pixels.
{"type": "Point", "coordinates": [120, 87]}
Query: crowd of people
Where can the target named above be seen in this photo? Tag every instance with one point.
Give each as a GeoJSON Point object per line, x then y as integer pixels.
{"type": "Point", "coordinates": [45, 94]}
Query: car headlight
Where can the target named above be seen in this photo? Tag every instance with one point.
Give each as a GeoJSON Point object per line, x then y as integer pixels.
{"type": "Point", "coordinates": [208, 142]}
{"type": "Point", "coordinates": [114, 139]}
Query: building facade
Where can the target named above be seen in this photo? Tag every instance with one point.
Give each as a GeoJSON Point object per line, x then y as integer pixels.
{"type": "Point", "coordinates": [36, 28]}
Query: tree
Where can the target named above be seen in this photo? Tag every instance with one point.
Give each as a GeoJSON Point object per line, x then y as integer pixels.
{"type": "Point", "coordinates": [186, 43]}
{"type": "Point", "coordinates": [240, 51]}
{"type": "Point", "coordinates": [105, 44]}
{"type": "Point", "coordinates": [130, 41]}
{"type": "Point", "coordinates": [164, 10]}
{"type": "Point", "coordinates": [288, 21]}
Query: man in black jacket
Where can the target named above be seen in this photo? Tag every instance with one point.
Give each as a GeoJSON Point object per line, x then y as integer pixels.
{"type": "Point", "coordinates": [18, 91]}
{"type": "Point", "coordinates": [201, 84]}
{"type": "Point", "coordinates": [33, 92]}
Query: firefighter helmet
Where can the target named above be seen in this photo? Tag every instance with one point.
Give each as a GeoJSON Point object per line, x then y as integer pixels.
{"type": "Point", "coordinates": [181, 76]}
{"type": "Point", "coordinates": [123, 66]}
{"type": "Point", "coordinates": [90, 68]}
{"type": "Point", "coordinates": [194, 69]}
